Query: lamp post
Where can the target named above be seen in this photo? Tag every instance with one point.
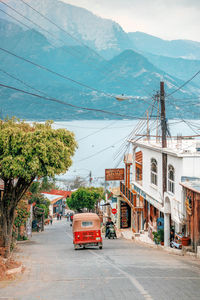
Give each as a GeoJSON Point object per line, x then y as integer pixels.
{"type": "Point", "coordinates": [90, 174]}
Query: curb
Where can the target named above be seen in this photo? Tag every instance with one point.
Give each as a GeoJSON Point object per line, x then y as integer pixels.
{"type": "Point", "coordinates": [14, 271]}
{"type": "Point", "coordinates": [168, 249]}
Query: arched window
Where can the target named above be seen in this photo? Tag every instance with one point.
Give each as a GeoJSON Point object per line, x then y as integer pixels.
{"type": "Point", "coordinates": [171, 183]}
{"type": "Point", "coordinates": [154, 171]}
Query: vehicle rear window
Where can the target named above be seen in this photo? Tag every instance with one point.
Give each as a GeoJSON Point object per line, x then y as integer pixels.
{"type": "Point", "coordinates": [87, 224]}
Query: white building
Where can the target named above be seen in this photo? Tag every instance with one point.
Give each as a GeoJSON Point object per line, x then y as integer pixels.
{"type": "Point", "coordinates": [183, 161]}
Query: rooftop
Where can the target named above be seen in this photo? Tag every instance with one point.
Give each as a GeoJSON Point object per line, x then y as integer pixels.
{"type": "Point", "coordinates": [179, 146]}
{"type": "Point", "coordinates": [60, 193]}
{"type": "Point", "coordinates": [192, 185]}
{"type": "Point", "coordinates": [52, 198]}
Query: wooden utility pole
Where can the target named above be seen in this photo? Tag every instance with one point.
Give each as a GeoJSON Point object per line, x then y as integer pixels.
{"type": "Point", "coordinates": [148, 132]}
{"type": "Point", "coordinates": [163, 117]}
{"type": "Point", "coordinates": [158, 113]}
{"type": "Point", "coordinates": [164, 134]}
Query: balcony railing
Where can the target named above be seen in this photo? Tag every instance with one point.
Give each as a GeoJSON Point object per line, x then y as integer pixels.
{"type": "Point", "coordinates": [130, 196]}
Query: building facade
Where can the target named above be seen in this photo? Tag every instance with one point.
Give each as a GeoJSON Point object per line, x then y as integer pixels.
{"type": "Point", "coordinates": [157, 195]}
{"type": "Point", "coordinates": [191, 194]}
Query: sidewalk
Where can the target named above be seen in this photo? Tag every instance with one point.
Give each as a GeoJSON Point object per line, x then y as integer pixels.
{"type": "Point", "coordinates": [143, 239]}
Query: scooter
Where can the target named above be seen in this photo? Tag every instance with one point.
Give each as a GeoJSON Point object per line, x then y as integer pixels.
{"type": "Point", "coordinates": [111, 232]}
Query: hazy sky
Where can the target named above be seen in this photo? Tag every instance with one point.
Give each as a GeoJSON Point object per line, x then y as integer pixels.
{"type": "Point", "coordinates": [168, 19]}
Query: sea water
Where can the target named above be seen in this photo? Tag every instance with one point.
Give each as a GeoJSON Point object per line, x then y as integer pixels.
{"type": "Point", "coordinates": [102, 143]}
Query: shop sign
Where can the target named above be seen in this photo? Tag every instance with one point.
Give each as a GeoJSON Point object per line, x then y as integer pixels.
{"type": "Point", "coordinates": [114, 174]}
{"type": "Point", "coordinates": [139, 191]}
{"type": "Point", "coordinates": [114, 199]}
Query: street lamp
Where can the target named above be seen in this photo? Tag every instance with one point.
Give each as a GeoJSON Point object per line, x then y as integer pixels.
{"type": "Point", "coordinates": [90, 174]}
{"type": "Point", "coordinates": [122, 97]}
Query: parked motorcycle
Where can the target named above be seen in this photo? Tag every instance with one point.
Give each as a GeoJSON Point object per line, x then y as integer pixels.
{"type": "Point", "coordinates": [111, 232]}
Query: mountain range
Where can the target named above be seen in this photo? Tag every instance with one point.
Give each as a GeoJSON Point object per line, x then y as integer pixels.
{"type": "Point", "coordinates": [101, 56]}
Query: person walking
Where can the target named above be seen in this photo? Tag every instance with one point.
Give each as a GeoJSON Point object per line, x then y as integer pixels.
{"type": "Point", "coordinates": [51, 220]}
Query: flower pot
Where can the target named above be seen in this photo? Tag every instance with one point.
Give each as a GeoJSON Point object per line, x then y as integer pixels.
{"type": "Point", "coordinates": [185, 241]}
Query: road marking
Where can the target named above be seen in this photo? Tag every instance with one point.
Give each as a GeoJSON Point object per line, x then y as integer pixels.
{"type": "Point", "coordinates": [132, 279]}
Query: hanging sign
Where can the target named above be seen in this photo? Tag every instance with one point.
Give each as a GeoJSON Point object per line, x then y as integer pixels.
{"type": "Point", "coordinates": [114, 174]}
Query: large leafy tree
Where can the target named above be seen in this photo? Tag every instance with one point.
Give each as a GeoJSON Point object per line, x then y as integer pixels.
{"type": "Point", "coordinates": [26, 152]}
{"type": "Point", "coordinates": [85, 198]}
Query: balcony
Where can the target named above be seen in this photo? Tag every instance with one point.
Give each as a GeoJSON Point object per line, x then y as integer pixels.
{"type": "Point", "coordinates": [130, 197]}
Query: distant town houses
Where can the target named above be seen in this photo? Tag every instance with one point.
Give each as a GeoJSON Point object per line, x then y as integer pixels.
{"type": "Point", "coordinates": [57, 200]}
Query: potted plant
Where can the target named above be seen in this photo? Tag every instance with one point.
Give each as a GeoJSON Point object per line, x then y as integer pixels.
{"type": "Point", "coordinates": [156, 238]}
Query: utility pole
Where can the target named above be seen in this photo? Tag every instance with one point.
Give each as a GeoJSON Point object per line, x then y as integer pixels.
{"type": "Point", "coordinates": [158, 113]}
{"type": "Point", "coordinates": [90, 178]}
{"type": "Point", "coordinates": [164, 164]}
{"type": "Point", "coordinates": [164, 133]}
{"type": "Point", "coordinates": [163, 117]}
{"type": "Point", "coordinates": [148, 131]}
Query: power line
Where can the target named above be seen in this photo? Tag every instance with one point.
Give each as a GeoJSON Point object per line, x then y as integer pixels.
{"type": "Point", "coordinates": [49, 33]}
{"type": "Point", "coordinates": [15, 19]}
{"type": "Point", "coordinates": [68, 104]}
{"type": "Point", "coordinates": [186, 82]}
{"type": "Point", "coordinates": [24, 83]}
{"type": "Point", "coordinates": [105, 127]}
{"type": "Point", "coordinates": [102, 150]}
{"type": "Point", "coordinates": [62, 29]}
{"type": "Point", "coordinates": [56, 73]}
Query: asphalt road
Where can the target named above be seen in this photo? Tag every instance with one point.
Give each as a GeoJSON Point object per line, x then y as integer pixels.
{"type": "Point", "coordinates": [122, 270]}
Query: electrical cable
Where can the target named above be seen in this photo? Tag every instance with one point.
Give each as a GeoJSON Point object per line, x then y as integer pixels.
{"type": "Point", "coordinates": [186, 82]}
{"type": "Point", "coordinates": [49, 33]}
{"type": "Point", "coordinates": [15, 19]}
{"type": "Point", "coordinates": [60, 29]}
{"type": "Point", "coordinates": [55, 73]}
{"type": "Point", "coordinates": [67, 104]}
{"type": "Point", "coordinates": [105, 127]}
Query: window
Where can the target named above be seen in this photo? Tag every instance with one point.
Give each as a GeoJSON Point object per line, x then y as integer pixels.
{"type": "Point", "coordinates": [154, 171]}
{"type": "Point", "coordinates": [171, 183]}
{"type": "Point", "coordinates": [87, 224]}
{"type": "Point", "coordinates": [137, 174]}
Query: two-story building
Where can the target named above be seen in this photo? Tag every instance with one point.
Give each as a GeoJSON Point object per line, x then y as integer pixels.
{"type": "Point", "coordinates": [168, 205]}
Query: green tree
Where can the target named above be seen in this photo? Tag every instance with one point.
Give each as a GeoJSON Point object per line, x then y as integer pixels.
{"type": "Point", "coordinates": [85, 198]}
{"type": "Point", "coordinates": [26, 152]}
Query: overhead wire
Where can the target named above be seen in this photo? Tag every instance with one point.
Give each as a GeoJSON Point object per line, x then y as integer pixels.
{"type": "Point", "coordinates": [184, 84]}
{"type": "Point", "coordinates": [97, 131]}
{"type": "Point", "coordinates": [15, 19]}
{"type": "Point", "coordinates": [68, 104]}
{"type": "Point", "coordinates": [54, 72]}
{"type": "Point", "coordinates": [62, 29]}
{"type": "Point", "coordinates": [50, 33]}
{"type": "Point", "coordinates": [183, 120]}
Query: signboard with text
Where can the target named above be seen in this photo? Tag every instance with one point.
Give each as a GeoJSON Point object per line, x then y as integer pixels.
{"type": "Point", "coordinates": [114, 174]}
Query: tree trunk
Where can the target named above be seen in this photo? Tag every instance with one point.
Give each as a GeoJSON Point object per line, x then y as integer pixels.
{"type": "Point", "coordinates": [13, 192]}
{"type": "Point", "coordinates": [6, 228]}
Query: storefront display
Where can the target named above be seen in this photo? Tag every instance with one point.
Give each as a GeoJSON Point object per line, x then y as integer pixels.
{"type": "Point", "coordinates": [125, 215]}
